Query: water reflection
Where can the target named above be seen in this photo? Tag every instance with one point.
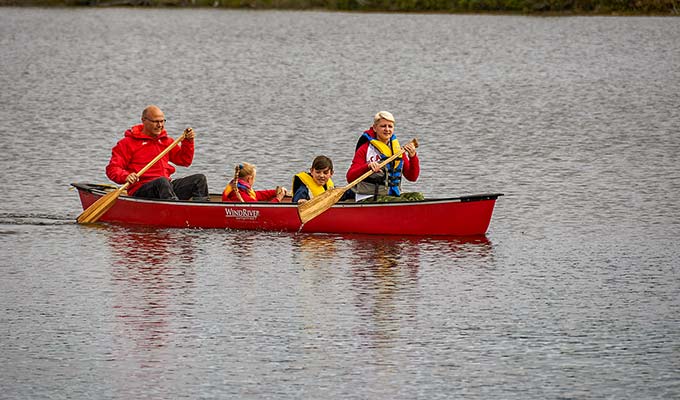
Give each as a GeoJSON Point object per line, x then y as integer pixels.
{"type": "Point", "coordinates": [154, 280]}
{"type": "Point", "coordinates": [140, 247]}
{"type": "Point", "coordinates": [243, 244]}
{"type": "Point", "coordinates": [385, 274]}
{"type": "Point", "coordinates": [314, 250]}
{"type": "Point", "coordinates": [386, 271]}
{"type": "Point", "coordinates": [468, 249]}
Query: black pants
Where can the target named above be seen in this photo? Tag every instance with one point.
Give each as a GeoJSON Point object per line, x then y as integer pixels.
{"type": "Point", "coordinates": [192, 186]}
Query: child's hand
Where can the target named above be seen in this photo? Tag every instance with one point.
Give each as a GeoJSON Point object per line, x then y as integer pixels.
{"type": "Point", "coordinates": [410, 149]}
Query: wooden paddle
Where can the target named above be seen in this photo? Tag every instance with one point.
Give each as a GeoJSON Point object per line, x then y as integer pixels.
{"type": "Point", "coordinates": [101, 206]}
{"type": "Point", "coordinates": [317, 205]}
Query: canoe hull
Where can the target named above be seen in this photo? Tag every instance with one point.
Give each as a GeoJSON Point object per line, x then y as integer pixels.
{"type": "Point", "coordinates": [462, 216]}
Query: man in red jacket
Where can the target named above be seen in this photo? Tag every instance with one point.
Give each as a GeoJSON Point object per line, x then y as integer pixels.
{"type": "Point", "coordinates": [141, 144]}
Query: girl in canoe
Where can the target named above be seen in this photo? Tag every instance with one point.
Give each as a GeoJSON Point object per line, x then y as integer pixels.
{"type": "Point", "coordinates": [240, 188]}
{"type": "Point", "coordinates": [378, 143]}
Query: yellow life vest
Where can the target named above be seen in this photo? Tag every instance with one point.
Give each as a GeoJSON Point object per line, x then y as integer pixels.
{"type": "Point", "coordinates": [314, 188]}
{"type": "Point", "coordinates": [392, 184]}
{"type": "Point", "coordinates": [387, 150]}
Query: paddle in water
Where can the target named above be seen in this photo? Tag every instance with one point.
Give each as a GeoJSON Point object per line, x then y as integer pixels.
{"type": "Point", "coordinates": [317, 205]}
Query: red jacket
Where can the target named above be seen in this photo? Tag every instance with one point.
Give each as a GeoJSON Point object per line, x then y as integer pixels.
{"type": "Point", "coordinates": [359, 165]}
{"type": "Point", "coordinates": [247, 193]}
{"type": "Point", "coordinates": [136, 150]}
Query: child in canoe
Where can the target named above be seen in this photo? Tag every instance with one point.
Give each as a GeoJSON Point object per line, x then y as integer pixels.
{"type": "Point", "coordinates": [306, 185]}
{"type": "Point", "coordinates": [240, 188]}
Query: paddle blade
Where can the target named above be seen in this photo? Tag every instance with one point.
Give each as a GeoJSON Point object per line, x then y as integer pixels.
{"type": "Point", "coordinates": [98, 208]}
{"type": "Point", "coordinates": [317, 205]}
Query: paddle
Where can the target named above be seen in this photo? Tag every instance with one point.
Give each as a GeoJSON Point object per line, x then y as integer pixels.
{"type": "Point", "coordinates": [317, 205]}
{"type": "Point", "coordinates": [101, 206]}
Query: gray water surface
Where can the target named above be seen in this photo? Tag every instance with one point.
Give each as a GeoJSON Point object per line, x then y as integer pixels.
{"type": "Point", "coordinates": [573, 293]}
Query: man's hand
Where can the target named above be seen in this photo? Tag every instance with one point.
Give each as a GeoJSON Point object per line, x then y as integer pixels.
{"type": "Point", "coordinates": [132, 178]}
{"type": "Point", "coordinates": [189, 134]}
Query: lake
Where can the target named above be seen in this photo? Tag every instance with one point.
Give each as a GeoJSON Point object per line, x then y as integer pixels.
{"type": "Point", "coordinates": [572, 293]}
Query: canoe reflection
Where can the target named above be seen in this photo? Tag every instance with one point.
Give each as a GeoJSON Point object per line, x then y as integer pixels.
{"type": "Point", "coordinates": [244, 244]}
{"type": "Point", "coordinates": [153, 282]}
{"type": "Point", "coordinates": [386, 273]}
{"type": "Point", "coordinates": [385, 277]}
{"type": "Point", "coordinates": [147, 247]}
{"type": "Point", "coordinates": [315, 250]}
{"type": "Point", "coordinates": [445, 250]}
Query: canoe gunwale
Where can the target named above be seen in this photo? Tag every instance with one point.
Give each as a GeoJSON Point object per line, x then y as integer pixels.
{"type": "Point", "coordinates": [102, 189]}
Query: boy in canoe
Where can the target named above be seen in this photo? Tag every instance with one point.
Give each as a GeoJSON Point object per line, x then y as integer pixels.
{"type": "Point", "coordinates": [309, 184]}
{"type": "Point", "coordinates": [376, 144]}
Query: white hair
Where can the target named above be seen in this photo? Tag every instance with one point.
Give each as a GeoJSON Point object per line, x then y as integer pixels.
{"type": "Point", "coordinates": [383, 115]}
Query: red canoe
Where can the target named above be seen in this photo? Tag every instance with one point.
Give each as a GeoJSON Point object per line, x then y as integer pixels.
{"type": "Point", "coordinates": [460, 216]}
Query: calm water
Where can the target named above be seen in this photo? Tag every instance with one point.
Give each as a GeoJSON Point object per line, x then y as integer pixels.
{"type": "Point", "coordinates": [573, 293]}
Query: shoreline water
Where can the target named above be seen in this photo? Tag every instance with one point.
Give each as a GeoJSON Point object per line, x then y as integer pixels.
{"type": "Point", "coordinates": [537, 8]}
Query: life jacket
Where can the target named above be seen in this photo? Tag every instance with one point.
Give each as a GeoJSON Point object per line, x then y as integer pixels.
{"type": "Point", "coordinates": [306, 179]}
{"type": "Point", "coordinates": [242, 186]}
{"type": "Point", "coordinates": [394, 168]}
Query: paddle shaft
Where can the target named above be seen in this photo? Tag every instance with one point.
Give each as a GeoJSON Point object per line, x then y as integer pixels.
{"type": "Point", "coordinates": [382, 164]}
{"type": "Point", "coordinates": [162, 154]}
{"type": "Point", "coordinates": [156, 159]}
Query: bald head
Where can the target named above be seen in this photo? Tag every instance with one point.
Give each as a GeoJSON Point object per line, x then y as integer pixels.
{"type": "Point", "coordinates": [151, 109]}
{"type": "Point", "coordinates": [153, 120]}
